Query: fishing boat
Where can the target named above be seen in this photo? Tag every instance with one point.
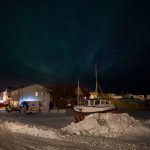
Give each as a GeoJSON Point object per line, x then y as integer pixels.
{"type": "Point", "coordinates": [93, 105]}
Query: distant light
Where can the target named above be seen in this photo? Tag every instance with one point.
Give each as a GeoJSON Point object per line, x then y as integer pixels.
{"type": "Point", "coordinates": [4, 96]}
{"type": "Point", "coordinates": [1, 101]}
{"type": "Point", "coordinates": [36, 93]}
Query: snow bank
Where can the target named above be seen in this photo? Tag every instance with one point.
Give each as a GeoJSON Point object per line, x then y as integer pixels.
{"type": "Point", "coordinates": [17, 127]}
{"type": "Point", "coordinates": [110, 125]}
{"type": "Point", "coordinates": [147, 122]}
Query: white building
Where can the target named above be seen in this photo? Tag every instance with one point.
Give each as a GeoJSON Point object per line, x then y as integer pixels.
{"type": "Point", "coordinates": [148, 97]}
{"type": "Point", "coordinates": [93, 95]}
{"type": "Point", "coordinates": [34, 95]}
{"type": "Point", "coordinates": [141, 97]}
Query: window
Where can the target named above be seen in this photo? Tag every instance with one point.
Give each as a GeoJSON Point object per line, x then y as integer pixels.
{"type": "Point", "coordinates": [43, 93]}
{"type": "Point", "coordinates": [36, 93]}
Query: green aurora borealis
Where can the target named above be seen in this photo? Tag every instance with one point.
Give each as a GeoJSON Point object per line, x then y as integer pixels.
{"type": "Point", "coordinates": [44, 41]}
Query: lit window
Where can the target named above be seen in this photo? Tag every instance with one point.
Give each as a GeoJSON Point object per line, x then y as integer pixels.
{"type": "Point", "coordinates": [36, 93]}
{"type": "Point", "coordinates": [43, 93]}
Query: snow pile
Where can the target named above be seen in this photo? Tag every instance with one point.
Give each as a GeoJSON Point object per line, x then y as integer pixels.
{"type": "Point", "coordinates": [30, 130]}
{"type": "Point", "coordinates": [147, 122]}
{"type": "Point", "coordinates": [110, 125]}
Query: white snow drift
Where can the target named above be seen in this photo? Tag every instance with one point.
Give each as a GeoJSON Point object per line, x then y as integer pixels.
{"type": "Point", "coordinates": [147, 122]}
{"type": "Point", "coordinates": [110, 125]}
{"type": "Point", "coordinates": [17, 127]}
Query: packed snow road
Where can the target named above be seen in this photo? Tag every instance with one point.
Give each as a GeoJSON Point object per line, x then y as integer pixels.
{"type": "Point", "coordinates": [23, 142]}
{"type": "Point", "coordinates": [49, 131]}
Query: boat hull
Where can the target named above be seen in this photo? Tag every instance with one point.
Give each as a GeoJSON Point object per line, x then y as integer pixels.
{"type": "Point", "coordinates": [82, 111]}
{"type": "Point", "coordinates": [94, 109]}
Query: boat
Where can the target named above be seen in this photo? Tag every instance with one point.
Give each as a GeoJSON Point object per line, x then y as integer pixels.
{"type": "Point", "coordinates": [93, 105]}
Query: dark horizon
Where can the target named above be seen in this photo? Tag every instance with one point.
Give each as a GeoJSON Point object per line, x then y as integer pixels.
{"type": "Point", "coordinates": [56, 42]}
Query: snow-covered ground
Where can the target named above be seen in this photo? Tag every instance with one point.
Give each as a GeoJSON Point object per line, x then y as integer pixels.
{"type": "Point", "coordinates": [48, 131]}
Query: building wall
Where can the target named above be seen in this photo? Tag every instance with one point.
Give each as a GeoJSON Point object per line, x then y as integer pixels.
{"type": "Point", "coordinates": [15, 95]}
{"type": "Point", "coordinates": [109, 95]}
{"type": "Point", "coordinates": [139, 96]}
{"type": "Point", "coordinates": [6, 97]}
{"type": "Point", "coordinates": [93, 95]}
{"type": "Point", "coordinates": [34, 93]}
{"type": "Point", "coordinates": [117, 97]}
{"type": "Point", "coordinates": [147, 96]}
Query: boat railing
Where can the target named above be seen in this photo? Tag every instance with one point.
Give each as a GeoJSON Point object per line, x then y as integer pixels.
{"type": "Point", "coordinates": [93, 102]}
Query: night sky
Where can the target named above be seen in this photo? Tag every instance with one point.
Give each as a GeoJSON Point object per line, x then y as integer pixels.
{"type": "Point", "coordinates": [46, 41]}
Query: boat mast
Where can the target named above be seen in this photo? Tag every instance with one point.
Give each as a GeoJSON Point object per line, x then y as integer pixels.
{"type": "Point", "coordinates": [96, 89]}
{"type": "Point", "coordinates": [78, 90]}
{"type": "Point", "coordinates": [97, 85]}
